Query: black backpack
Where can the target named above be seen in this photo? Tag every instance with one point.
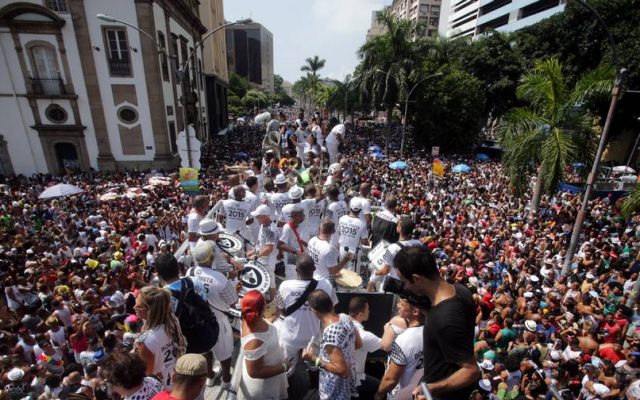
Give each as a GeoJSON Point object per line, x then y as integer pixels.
{"type": "Point", "coordinates": [197, 322]}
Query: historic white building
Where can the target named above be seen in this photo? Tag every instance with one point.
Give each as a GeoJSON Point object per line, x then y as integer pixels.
{"type": "Point", "coordinates": [79, 92]}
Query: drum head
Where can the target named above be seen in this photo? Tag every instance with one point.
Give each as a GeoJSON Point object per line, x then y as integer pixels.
{"type": "Point", "coordinates": [229, 243]}
{"type": "Point", "coordinates": [254, 276]}
{"type": "Point", "coordinates": [348, 279]}
{"type": "Point", "coordinates": [235, 311]}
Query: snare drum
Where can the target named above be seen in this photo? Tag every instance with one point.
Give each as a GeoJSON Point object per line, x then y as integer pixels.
{"type": "Point", "coordinates": [229, 243]}
{"type": "Point", "coordinates": [348, 281]}
{"type": "Point", "coordinates": [254, 276]}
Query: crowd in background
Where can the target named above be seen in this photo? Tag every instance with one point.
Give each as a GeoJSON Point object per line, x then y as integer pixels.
{"type": "Point", "coordinates": [76, 271]}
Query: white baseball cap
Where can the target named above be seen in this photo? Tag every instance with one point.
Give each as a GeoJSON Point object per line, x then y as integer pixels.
{"type": "Point", "coordinates": [262, 209]}
{"type": "Point", "coordinates": [355, 204]}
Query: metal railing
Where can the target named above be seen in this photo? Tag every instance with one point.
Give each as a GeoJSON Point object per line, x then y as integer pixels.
{"type": "Point", "coordinates": [119, 67]}
{"type": "Point", "coordinates": [47, 86]}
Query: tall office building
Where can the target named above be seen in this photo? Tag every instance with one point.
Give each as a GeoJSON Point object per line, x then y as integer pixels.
{"type": "Point", "coordinates": [214, 59]}
{"type": "Point", "coordinates": [475, 17]}
{"type": "Point", "coordinates": [423, 11]}
{"type": "Point", "coordinates": [250, 53]}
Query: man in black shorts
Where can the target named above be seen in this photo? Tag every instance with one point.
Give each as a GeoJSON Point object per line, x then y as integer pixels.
{"type": "Point", "coordinates": [450, 369]}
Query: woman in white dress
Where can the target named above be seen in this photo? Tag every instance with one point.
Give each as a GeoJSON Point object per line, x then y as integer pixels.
{"type": "Point", "coordinates": [264, 367]}
{"type": "Point", "coordinates": [161, 342]}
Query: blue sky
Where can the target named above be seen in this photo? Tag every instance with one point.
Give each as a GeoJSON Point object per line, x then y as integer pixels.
{"type": "Point", "coordinates": [331, 29]}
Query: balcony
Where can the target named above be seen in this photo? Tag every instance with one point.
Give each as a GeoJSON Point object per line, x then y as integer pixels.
{"type": "Point", "coordinates": [48, 87]}
{"type": "Point", "coordinates": [119, 67]}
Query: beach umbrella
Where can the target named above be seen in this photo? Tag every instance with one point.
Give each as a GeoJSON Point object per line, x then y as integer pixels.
{"type": "Point", "coordinates": [482, 157]}
{"type": "Point", "coordinates": [578, 165]}
{"type": "Point", "coordinates": [461, 169]}
{"type": "Point", "coordinates": [624, 169]}
{"type": "Point", "coordinates": [377, 156]}
{"type": "Point", "coordinates": [60, 190]}
{"type": "Point", "coordinates": [375, 149]}
{"type": "Point", "coordinates": [398, 165]}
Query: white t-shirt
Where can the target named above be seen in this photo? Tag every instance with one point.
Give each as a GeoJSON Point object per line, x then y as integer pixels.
{"type": "Point", "coordinates": [213, 286]}
{"type": "Point", "coordinates": [164, 350]}
{"type": "Point", "coordinates": [370, 343]}
{"type": "Point", "coordinates": [299, 327]}
{"type": "Point", "coordinates": [336, 210]}
{"type": "Point", "coordinates": [236, 213]}
{"type": "Point", "coordinates": [267, 235]}
{"type": "Point", "coordinates": [317, 131]}
{"type": "Point", "coordinates": [313, 218]}
{"type": "Point", "coordinates": [279, 200]}
{"type": "Point", "coordinates": [406, 351]}
{"type": "Point", "coordinates": [332, 141]}
{"type": "Point", "coordinates": [288, 237]}
{"type": "Point", "coordinates": [193, 222]}
{"type": "Point", "coordinates": [351, 231]}
{"type": "Point", "coordinates": [324, 256]}
{"type": "Point", "coordinates": [394, 249]}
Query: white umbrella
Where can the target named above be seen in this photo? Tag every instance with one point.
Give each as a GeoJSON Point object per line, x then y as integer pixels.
{"type": "Point", "coordinates": [624, 169]}
{"type": "Point", "coordinates": [60, 190]}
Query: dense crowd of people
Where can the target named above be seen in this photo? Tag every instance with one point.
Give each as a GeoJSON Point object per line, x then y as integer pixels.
{"type": "Point", "coordinates": [96, 303]}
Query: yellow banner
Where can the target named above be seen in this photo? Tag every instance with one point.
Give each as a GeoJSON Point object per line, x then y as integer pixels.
{"type": "Point", "coordinates": [438, 168]}
{"type": "Point", "coordinates": [189, 179]}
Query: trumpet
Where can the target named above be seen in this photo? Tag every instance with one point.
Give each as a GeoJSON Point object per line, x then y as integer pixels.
{"type": "Point", "coordinates": [295, 162]}
{"type": "Point", "coordinates": [236, 168]}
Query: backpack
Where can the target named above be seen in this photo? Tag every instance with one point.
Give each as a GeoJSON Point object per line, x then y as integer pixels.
{"type": "Point", "coordinates": [197, 321]}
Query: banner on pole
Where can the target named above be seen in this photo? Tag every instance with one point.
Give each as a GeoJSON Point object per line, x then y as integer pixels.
{"type": "Point", "coordinates": [189, 180]}
{"type": "Point", "coordinates": [435, 151]}
{"type": "Point", "coordinates": [438, 167]}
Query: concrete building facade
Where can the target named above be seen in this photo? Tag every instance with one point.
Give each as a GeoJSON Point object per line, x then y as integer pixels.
{"type": "Point", "coordinates": [78, 92]}
{"type": "Point", "coordinates": [250, 54]}
{"type": "Point", "coordinates": [426, 12]}
{"type": "Point", "coordinates": [475, 17]}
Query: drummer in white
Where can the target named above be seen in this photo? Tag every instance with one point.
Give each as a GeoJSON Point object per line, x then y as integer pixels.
{"type": "Point", "coordinates": [405, 229]}
{"type": "Point", "coordinates": [297, 325]}
{"type": "Point", "coordinates": [291, 243]}
{"type": "Point", "coordinates": [315, 205]}
{"type": "Point", "coordinates": [281, 198]}
{"type": "Point", "coordinates": [221, 295]}
{"type": "Point", "coordinates": [224, 263]}
{"type": "Point", "coordinates": [236, 211]}
{"type": "Point", "coordinates": [265, 251]}
{"type": "Point", "coordinates": [326, 256]}
{"type": "Point", "coordinates": [352, 231]}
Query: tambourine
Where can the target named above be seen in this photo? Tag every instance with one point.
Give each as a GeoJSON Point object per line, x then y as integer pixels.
{"type": "Point", "coordinates": [348, 279]}
{"type": "Point", "coordinates": [229, 243]}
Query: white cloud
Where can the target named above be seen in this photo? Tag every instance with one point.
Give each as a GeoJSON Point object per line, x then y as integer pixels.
{"type": "Point", "coordinates": [345, 16]}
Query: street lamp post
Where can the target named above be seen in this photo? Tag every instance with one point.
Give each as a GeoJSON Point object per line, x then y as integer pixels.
{"type": "Point", "coordinates": [182, 74]}
{"type": "Point", "coordinates": [406, 108]}
{"type": "Point", "coordinates": [621, 74]}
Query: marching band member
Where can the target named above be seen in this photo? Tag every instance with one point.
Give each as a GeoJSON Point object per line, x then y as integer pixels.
{"type": "Point", "coordinates": [265, 250]}
{"type": "Point", "coordinates": [352, 231]}
{"type": "Point", "coordinates": [290, 242]}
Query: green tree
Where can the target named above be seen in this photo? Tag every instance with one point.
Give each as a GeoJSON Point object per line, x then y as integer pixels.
{"type": "Point", "coordinates": [255, 98]}
{"type": "Point", "coordinates": [312, 66]}
{"type": "Point", "coordinates": [555, 129]}
{"type": "Point", "coordinates": [238, 85]}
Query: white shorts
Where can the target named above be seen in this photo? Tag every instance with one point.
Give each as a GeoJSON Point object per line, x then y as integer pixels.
{"type": "Point", "coordinates": [224, 346]}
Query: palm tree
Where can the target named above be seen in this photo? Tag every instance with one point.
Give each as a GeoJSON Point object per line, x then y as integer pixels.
{"type": "Point", "coordinates": [390, 62]}
{"type": "Point", "coordinates": [555, 129]}
{"type": "Point", "coordinates": [312, 66]}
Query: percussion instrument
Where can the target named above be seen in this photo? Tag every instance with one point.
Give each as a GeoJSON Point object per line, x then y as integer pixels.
{"type": "Point", "coordinates": [376, 255]}
{"type": "Point", "coordinates": [348, 281]}
{"type": "Point", "coordinates": [254, 276]}
{"type": "Point", "coordinates": [229, 243]}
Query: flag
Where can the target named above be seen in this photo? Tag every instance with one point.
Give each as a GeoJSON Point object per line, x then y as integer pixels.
{"type": "Point", "coordinates": [438, 167]}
